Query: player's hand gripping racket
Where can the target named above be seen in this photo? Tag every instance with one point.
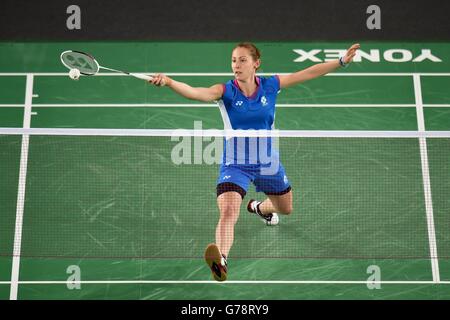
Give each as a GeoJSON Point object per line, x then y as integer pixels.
{"type": "Point", "coordinates": [88, 66]}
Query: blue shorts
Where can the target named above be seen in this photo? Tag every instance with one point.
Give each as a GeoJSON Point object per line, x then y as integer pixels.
{"type": "Point", "coordinates": [242, 175]}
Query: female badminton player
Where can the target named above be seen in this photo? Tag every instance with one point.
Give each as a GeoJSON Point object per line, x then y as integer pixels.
{"type": "Point", "coordinates": [248, 102]}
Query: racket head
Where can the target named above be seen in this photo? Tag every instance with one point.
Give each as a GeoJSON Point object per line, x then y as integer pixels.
{"type": "Point", "coordinates": [82, 61]}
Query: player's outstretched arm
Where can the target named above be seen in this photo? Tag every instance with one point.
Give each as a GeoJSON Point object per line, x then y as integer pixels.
{"type": "Point", "coordinates": [317, 70]}
{"type": "Point", "coordinates": [201, 94]}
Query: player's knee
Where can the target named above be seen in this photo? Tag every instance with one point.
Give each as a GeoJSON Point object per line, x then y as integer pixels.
{"type": "Point", "coordinates": [229, 214]}
{"type": "Point", "coordinates": [286, 209]}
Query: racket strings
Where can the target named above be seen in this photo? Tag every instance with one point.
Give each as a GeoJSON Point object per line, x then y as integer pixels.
{"type": "Point", "coordinates": [81, 61]}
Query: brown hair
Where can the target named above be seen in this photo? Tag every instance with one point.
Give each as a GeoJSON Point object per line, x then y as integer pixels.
{"type": "Point", "coordinates": [254, 51]}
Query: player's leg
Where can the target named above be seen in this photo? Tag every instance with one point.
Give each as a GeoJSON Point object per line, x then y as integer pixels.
{"type": "Point", "coordinates": [231, 189]}
{"type": "Point", "coordinates": [279, 196]}
{"type": "Point", "coordinates": [269, 209]}
{"type": "Point", "coordinates": [229, 204]}
{"type": "Point", "coordinates": [229, 201]}
{"type": "Point", "coordinates": [281, 204]}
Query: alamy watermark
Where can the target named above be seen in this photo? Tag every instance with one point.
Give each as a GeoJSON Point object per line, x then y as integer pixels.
{"type": "Point", "coordinates": [232, 147]}
{"type": "Point", "coordinates": [374, 280]}
{"type": "Point", "coordinates": [73, 21]}
{"type": "Point", "coordinates": [73, 281]}
{"type": "Point", "coordinates": [374, 20]}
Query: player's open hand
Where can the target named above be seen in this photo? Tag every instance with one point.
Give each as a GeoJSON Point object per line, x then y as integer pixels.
{"type": "Point", "coordinates": [351, 53]}
{"type": "Point", "coordinates": [160, 80]}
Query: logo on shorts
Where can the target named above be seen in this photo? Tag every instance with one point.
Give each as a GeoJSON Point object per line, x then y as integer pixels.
{"type": "Point", "coordinates": [285, 179]}
{"type": "Point", "coordinates": [226, 177]}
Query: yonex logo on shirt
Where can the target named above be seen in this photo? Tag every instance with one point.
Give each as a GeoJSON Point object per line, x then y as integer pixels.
{"type": "Point", "coordinates": [239, 103]}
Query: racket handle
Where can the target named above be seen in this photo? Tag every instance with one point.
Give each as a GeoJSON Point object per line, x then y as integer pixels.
{"type": "Point", "coordinates": [141, 76]}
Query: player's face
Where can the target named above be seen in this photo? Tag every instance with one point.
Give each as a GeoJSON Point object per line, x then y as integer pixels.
{"type": "Point", "coordinates": [242, 64]}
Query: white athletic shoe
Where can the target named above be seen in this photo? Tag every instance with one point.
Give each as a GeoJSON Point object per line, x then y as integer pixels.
{"type": "Point", "coordinates": [270, 219]}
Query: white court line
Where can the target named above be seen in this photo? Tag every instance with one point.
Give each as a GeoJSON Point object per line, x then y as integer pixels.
{"type": "Point", "coordinates": [224, 133]}
{"type": "Point", "coordinates": [206, 105]}
{"type": "Point", "coordinates": [365, 282]}
{"type": "Point", "coordinates": [212, 105]}
{"type": "Point", "coordinates": [426, 180]}
{"type": "Point", "coordinates": [21, 190]}
{"type": "Point", "coordinates": [209, 105]}
{"type": "Point", "coordinates": [226, 74]}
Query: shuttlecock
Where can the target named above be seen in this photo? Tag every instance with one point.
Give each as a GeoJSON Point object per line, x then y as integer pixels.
{"type": "Point", "coordinates": [74, 74]}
